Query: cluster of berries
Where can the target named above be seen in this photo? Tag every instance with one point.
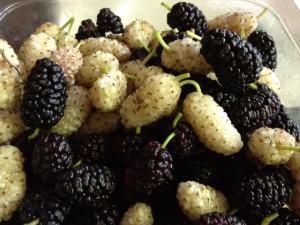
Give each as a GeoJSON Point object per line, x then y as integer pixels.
{"type": "Point", "coordinates": [128, 125]}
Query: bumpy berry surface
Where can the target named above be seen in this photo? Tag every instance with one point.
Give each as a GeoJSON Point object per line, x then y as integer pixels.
{"type": "Point", "coordinates": [265, 45]}
{"type": "Point", "coordinates": [101, 178]}
{"type": "Point", "coordinates": [235, 61]}
{"type": "Point", "coordinates": [139, 214]}
{"type": "Point", "coordinates": [236, 22]}
{"type": "Point", "coordinates": [284, 121]}
{"type": "Point", "coordinates": [286, 216]}
{"type": "Point", "coordinates": [12, 179]}
{"type": "Point", "coordinates": [107, 21]}
{"type": "Point", "coordinates": [149, 169]}
{"type": "Point", "coordinates": [263, 192]}
{"type": "Point", "coordinates": [44, 205]}
{"type": "Point", "coordinates": [186, 16]}
{"type": "Point", "coordinates": [263, 144]}
{"type": "Point", "coordinates": [211, 124]}
{"type": "Point", "coordinates": [51, 156]}
{"type": "Point", "coordinates": [218, 218]}
{"type": "Point", "coordinates": [257, 109]}
{"type": "Point", "coordinates": [44, 98]}
{"type": "Point", "coordinates": [88, 29]}
{"type": "Point", "coordinates": [196, 199]}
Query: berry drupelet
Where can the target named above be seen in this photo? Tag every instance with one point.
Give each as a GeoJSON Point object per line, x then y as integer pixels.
{"type": "Point", "coordinates": [263, 192]}
{"type": "Point", "coordinates": [284, 121]}
{"type": "Point", "coordinates": [186, 16]}
{"type": "Point", "coordinates": [265, 45]}
{"type": "Point", "coordinates": [107, 21]}
{"type": "Point", "coordinates": [149, 169]}
{"type": "Point", "coordinates": [51, 156]}
{"type": "Point", "coordinates": [43, 206]}
{"type": "Point", "coordinates": [235, 61]}
{"type": "Point", "coordinates": [286, 216]}
{"type": "Point", "coordinates": [45, 95]}
{"type": "Point", "coordinates": [218, 218]}
{"type": "Point", "coordinates": [258, 108]}
{"type": "Point", "coordinates": [86, 184]}
{"type": "Point", "coordinates": [91, 148]}
{"type": "Point", "coordinates": [88, 29]}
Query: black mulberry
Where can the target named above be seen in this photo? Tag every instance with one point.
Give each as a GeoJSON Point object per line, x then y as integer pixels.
{"type": "Point", "coordinates": [88, 29]}
{"type": "Point", "coordinates": [44, 98]}
{"type": "Point", "coordinates": [107, 21]}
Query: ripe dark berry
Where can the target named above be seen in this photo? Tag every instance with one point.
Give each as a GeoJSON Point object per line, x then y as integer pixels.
{"type": "Point", "coordinates": [107, 21]}
{"type": "Point", "coordinates": [44, 205]}
{"type": "Point", "coordinates": [263, 192]}
{"type": "Point", "coordinates": [86, 184]}
{"type": "Point", "coordinates": [186, 16]}
{"type": "Point", "coordinates": [257, 109]}
{"type": "Point", "coordinates": [265, 45]}
{"type": "Point", "coordinates": [218, 218]}
{"type": "Point", "coordinates": [235, 61]}
{"type": "Point", "coordinates": [286, 216]}
{"type": "Point", "coordinates": [44, 98]}
{"type": "Point", "coordinates": [149, 169]}
{"type": "Point", "coordinates": [88, 29]}
{"type": "Point", "coordinates": [51, 156]}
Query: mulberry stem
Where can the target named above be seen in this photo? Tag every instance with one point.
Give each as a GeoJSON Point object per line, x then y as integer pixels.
{"type": "Point", "coordinates": [288, 147]}
{"type": "Point", "coordinates": [34, 222]}
{"type": "Point", "coordinates": [79, 44]}
{"type": "Point", "coordinates": [177, 118]}
{"type": "Point", "coordinates": [104, 69]}
{"type": "Point", "coordinates": [268, 219]}
{"type": "Point", "coordinates": [129, 76]}
{"type": "Point", "coordinates": [166, 6]}
{"type": "Point", "coordinates": [149, 56]}
{"type": "Point", "coordinates": [196, 85]}
{"type": "Point", "coordinates": [168, 139]}
{"type": "Point", "coordinates": [243, 34]}
{"type": "Point", "coordinates": [34, 134]}
{"type": "Point", "coordinates": [106, 92]}
{"type": "Point", "coordinates": [161, 41]}
{"type": "Point", "coordinates": [175, 30]}
{"type": "Point", "coordinates": [253, 86]}
{"type": "Point", "coordinates": [233, 211]}
{"type": "Point", "coordinates": [138, 130]}
{"type": "Point", "coordinates": [145, 46]}
{"type": "Point", "coordinates": [193, 35]}
{"type": "Point", "coordinates": [262, 13]}
{"type": "Point", "coordinates": [69, 22]}
{"type": "Point", "coordinates": [77, 163]}
{"type": "Point", "coordinates": [182, 76]}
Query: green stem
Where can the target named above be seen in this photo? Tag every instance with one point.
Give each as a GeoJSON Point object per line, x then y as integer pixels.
{"type": "Point", "coordinates": [288, 147]}
{"type": "Point", "coordinates": [177, 118]}
{"type": "Point", "coordinates": [104, 69]}
{"type": "Point", "coordinates": [169, 138]}
{"type": "Point", "coordinates": [161, 41]}
{"type": "Point", "coordinates": [193, 35]}
{"type": "Point", "coordinates": [175, 30]}
{"type": "Point", "coordinates": [34, 222]}
{"type": "Point", "coordinates": [166, 6]}
{"type": "Point", "coordinates": [145, 46]}
{"type": "Point", "coordinates": [233, 211]}
{"type": "Point", "coordinates": [253, 86]}
{"type": "Point", "coordinates": [182, 76]}
{"type": "Point", "coordinates": [34, 134]}
{"type": "Point", "coordinates": [69, 22]}
{"type": "Point", "coordinates": [79, 44]}
{"type": "Point", "coordinates": [192, 82]}
{"type": "Point", "coordinates": [129, 76]}
{"type": "Point", "coordinates": [262, 13]}
{"type": "Point", "coordinates": [149, 56]}
{"type": "Point", "coordinates": [267, 220]}
{"type": "Point", "coordinates": [106, 92]}
{"type": "Point", "coordinates": [138, 130]}
{"type": "Point", "coordinates": [78, 163]}
{"type": "Point", "coordinates": [243, 34]}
